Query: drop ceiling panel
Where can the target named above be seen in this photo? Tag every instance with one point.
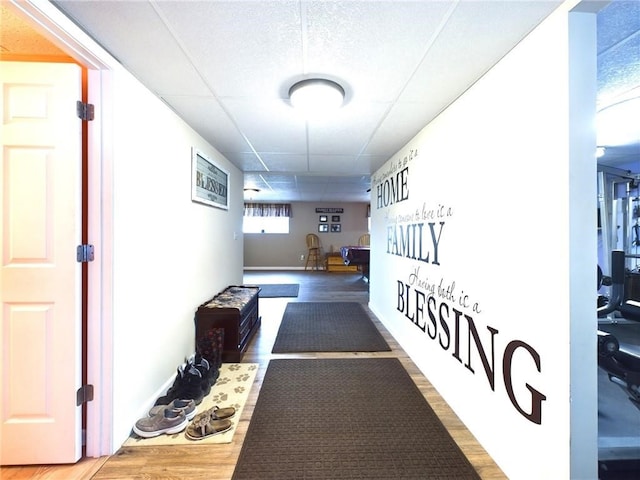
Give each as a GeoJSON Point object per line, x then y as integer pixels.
{"type": "Point", "coordinates": [242, 48]}
{"type": "Point", "coordinates": [245, 161]}
{"type": "Point", "coordinates": [279, 178]}
{"type": "Point", "coordinates": [256, 118]}
{"type": "Point", "coordinates": [254, 180]}
{"type": "Point", "coordinates": [284, 162]}
{"type": "Point", "coordinates": [345, 189]}
{"type": "Point", "coordinates": [374, 161]}
{"type": "Point", "coordinates": [207, 117]}
{"type": "Point", "coordinates": [349, 184]}
{"type": "Point", "coordinates": [348, 131]}
{"type": "Point", "coordinates": [344, 37]}
{"type": "Point", "coordinates": [465, 65]}
{"type": "Point", "coordinates": [622, 20]}
{"type": "Point", "coordinates": [402, 123]}
{"type": "Point", "coordinates": [135, 35]}
{"type": "Point", "coordinates": [619, 70]}
{"type": "Point", "coordinates": [339, 164]}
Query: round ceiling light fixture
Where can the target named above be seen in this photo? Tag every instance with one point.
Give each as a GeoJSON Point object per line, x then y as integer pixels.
{"type": "Point", "coordinates": [316, 95]}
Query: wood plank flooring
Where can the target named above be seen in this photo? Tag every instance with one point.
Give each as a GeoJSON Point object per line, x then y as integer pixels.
{"type": "Point", "coordinates": [216, 462]}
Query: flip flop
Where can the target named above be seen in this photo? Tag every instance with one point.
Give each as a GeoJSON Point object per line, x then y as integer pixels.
{"type": "Point", "coordinates": [203, 429]}
{"type": "Point", "coordinates": [215, 413]}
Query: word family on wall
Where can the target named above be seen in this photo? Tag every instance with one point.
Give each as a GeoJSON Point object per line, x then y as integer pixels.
{"type": "Point", "coordinates": [450, 320]}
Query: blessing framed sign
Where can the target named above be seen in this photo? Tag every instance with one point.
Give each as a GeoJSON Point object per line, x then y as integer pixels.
{"type": "Point", "coordinates": [209, 182]}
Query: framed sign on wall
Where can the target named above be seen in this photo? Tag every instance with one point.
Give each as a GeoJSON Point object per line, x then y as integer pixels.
{"type": "Point", "coordinates": [209, 182]}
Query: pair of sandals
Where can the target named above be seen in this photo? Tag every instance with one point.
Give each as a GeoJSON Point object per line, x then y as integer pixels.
{"type": "Point", "coordinates": [210, 422]}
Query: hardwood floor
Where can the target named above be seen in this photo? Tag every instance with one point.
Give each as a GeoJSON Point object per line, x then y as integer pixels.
{"type": "Point", "coordinates": [216, 462]}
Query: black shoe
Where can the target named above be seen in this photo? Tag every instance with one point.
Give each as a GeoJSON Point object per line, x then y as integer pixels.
{"type": "Point", "coordinates": [203, 367]}
{"type": "Point", "coordinates": [187, 386]}
{"type": "Point", "coordinates": [170, 395]}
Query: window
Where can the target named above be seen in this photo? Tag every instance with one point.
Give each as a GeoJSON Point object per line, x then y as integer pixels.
{"type": "Point", "coordinates": [266, 218]}
{"type": "Point", "coordinates": [265, 225]}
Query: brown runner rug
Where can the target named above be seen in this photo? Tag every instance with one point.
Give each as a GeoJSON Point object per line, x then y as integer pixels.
{"type": "Point", "coordinates": [361, 418]}
{"type": "Point", "coordinates": [327, 327]}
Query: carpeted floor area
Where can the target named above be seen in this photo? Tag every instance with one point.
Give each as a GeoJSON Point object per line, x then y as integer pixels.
{"type": "Point", "coordinates": [327, 327]}
{"type": "Point", "coordinates": [360, 418]}
{"type": "Point", "coordinates": [277, 290]}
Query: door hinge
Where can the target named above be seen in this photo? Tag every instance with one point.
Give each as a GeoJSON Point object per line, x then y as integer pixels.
{"type": "Point", "coordinates": [84, 394]}
{"type": "Point", "coordinates": [85, 110]}
{"type": "Point", "coordinates": [84, 253]}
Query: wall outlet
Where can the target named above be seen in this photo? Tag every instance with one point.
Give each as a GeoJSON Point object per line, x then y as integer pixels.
{"type": "Point", "coordinates": [301, 257]}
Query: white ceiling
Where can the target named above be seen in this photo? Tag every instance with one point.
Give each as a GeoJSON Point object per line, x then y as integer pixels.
{"type": "Point", "coordinates": [226, 66]}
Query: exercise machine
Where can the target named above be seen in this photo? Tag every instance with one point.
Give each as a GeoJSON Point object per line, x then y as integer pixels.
{"type": "Point", "coordinates": [618, 337]}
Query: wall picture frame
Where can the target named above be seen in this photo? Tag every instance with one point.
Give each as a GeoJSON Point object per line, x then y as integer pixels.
{"type": "Point", "coordinates": [323, 227]}
{"type": "Point", "coordinates": [336, 227]}
{"type": "Point", "coordinates": [323, 218]}
{"type": "Point", "coordinates": [209, 181]}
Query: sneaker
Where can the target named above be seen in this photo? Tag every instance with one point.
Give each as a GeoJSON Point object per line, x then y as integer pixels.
{"type": "Point", "coordinates": [169, 422]}
{"type": "Point", "coordinates": [187, 406]}
{"type": "Point", "coordinates": [202, 365]}
{"type": "Point", "coordinates": [171, 393]}
{"type": "Point", "coordinates": [188, 385]}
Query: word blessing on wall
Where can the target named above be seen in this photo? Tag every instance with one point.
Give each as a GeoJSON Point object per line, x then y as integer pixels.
{"type": "Point", "coordinates": [439, 309]}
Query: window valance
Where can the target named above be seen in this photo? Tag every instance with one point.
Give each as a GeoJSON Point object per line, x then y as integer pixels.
{"type": "Point", "coordinates": [267, 209]}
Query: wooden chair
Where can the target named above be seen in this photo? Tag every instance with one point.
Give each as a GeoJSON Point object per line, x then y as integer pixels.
{"type": "Point", "coordinates": [364, 240]}
{"type": "Point", "coordinates": [313, 251]}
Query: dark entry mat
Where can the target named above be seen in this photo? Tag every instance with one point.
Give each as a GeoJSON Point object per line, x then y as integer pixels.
{"type": "Point", "coordinates": [327, 327]}
{"type": "Point", "coordinates": [361, 418]}
{"type": "Point", "coordinates": [275, 290]}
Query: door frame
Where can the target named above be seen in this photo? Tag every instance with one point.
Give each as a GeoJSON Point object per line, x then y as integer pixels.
{"type": "Point", "coordinates": [57, 28]}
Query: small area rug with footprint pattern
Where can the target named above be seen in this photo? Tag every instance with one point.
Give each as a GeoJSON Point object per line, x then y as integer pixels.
{"type": "Point", "coordinates": [230, 390]}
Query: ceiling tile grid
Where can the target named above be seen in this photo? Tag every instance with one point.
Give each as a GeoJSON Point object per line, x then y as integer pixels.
{"type": "Point", "coordinates": [225, 66]}
{"type": "Point", "coordinates": [240, 48]}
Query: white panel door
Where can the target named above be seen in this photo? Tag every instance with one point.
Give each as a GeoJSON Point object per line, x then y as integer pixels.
{"type": "Point", "coordinates": [40, 279]}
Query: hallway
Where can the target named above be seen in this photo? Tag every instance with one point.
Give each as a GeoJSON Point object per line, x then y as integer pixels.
{"type": "Point", "coordinates": [216, 462]}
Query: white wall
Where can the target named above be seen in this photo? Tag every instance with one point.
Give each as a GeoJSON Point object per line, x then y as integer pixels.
{"type": "Point", "coordinates": [507, 182]}
{"type": "Point", "coordinates": [169, 253]}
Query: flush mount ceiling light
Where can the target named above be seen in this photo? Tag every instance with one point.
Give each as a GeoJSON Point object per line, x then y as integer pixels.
{"type": "Point", "coordinates": [316, 95]}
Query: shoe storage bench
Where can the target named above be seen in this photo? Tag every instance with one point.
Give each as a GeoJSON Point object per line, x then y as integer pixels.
{"type": "Point", "coordinates": [235, 309]}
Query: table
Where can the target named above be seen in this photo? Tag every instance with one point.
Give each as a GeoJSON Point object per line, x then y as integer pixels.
{"type": "Point", "coordinates": [357, 255]}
